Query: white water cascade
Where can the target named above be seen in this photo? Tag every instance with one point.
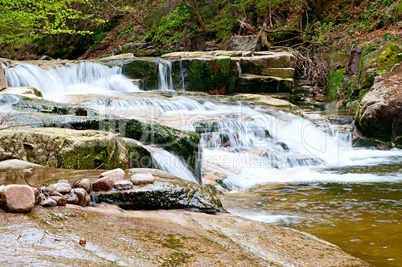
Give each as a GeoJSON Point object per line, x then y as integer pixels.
{"type": "Point", "coordinates": [172, 164]}
{"type": "Point", "coordinates": [165, 79]}
{"type": "Point", "coordinates": [71, 79]}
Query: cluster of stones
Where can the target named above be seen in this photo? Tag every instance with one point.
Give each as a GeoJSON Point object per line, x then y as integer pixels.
{"type": "Point", "coordinates": [23, 198]}
{"type": "Point", "coordinates": [115, 179]}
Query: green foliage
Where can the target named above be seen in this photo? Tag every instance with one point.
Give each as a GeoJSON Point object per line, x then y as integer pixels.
{"type": "Point", "coordinates": [170, 27]}
{"type": "Point", "coordinates": [23, 21]}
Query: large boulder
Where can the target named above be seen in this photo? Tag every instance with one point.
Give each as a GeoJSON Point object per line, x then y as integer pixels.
{"type": "Point", "coordinates": [379, 113]}
{"type": "Point", "coordinates": [18, 198]}
{"type": "Point", "coordinates": [243, 43]}
{"type": "Point", "coordinates": [167, 192]}
{"type": "Point", "coordinates": [64, 148]}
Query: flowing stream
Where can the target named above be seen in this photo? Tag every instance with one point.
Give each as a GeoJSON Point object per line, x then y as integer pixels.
{"type": "Point", "coordinates": [273, 166]}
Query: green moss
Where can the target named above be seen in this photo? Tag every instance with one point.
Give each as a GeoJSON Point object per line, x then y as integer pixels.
{"type": "Point", "coordinates": [144, 69]}
{"type": "Point", "coordinates": [390, 58]}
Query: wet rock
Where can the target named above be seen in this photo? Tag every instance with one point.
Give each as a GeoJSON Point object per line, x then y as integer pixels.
{"type": "Point", "coordinates": [23, 91]}
{"type": "Point", "coordinates": [251, 83]}
{"type": "Point", "coordinates": [72, 198]}
{"type": "Point", "coordinates": [18, 164]}
{"type": "Point", "coordinates": [62, 188]}
{"type": "Point", "coordinates": [18, 198]}
{"type": "Point", "coordinates": [85, 184]}
{"type": "Point", "coordinates": [49, 202]}
{"type": "Point", "coordinates": [274, 103]}
{"type": "Point", "coordinates": [63, 181]}
{"type": "Point", "coordinates": [107, 179]}
{"type": "Point", "coordinates": [142, 179]}
{"type": "Point", "coordinates": [83, 196]}
{"type": "Point", "coordinates": [160, 237]}
{"type": "Point", "coordinates": [167, 192]}
{"type": "Point", "coordinates": [38, 196]}
{"type": "Point", "coordinates": [123, 185]}
{"type": "Point", "coordinates": [145, 69]}
{"type": "Point", "coordinates": [216, 75]}
{"type": "Point", "coordinates": [379, 113]}
{"type": "Point", "coordinates": [61, 201]}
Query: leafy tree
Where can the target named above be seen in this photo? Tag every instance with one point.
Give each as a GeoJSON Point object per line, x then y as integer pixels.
{"type": "Point", "coordinates": [23, 21]}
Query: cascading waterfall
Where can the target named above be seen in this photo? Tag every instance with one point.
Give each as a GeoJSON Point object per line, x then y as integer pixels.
{"type": "Point", "coordinates": [239, 68]}
{"type": "Point", "coordinates": [71, 78]}
{"type": "Point", "coordinates": [172, 164]}
{"type": "Point", "coordinates": [165, 79]}
{"type": "Point", "coordinates": [182, 76]}
{"type": "Point", "coordinates": [162, 105]}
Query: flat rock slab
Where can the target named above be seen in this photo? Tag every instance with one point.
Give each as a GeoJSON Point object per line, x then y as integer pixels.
{"type": "Point", "coordinates": [164, 193]}
{"type": "Point", "coordinates": [17, 164]}
{"type": "Point", "coordinates": [116, 237]}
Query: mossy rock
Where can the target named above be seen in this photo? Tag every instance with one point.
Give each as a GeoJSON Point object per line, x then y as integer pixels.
{"type": "Point", "coordinates": [377, 59]}
{"type": "Point", "coordinates": [64, 148]}
{"type": "Point", "coordinates": [183, 144]}
{"type": "Point", "coordinates": [379, 113]}
{"type": "Point", "coordinates": [212, 75]}
{"type": "Point", "coordinates": [145, 69]}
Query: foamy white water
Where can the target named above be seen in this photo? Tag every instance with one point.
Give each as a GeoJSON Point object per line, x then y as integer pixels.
{"type": "Point", "coordinates": [250, 146]}
{"type": "Point", "coordinates": [71, 79]}
{"type": "Point", "coordinates": [172, 164]}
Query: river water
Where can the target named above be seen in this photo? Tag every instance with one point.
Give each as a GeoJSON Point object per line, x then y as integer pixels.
{"type": "Point", "coordinates": [271, 166]}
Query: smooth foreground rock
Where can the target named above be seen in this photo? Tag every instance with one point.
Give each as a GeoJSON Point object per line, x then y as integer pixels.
{"type": "Point", "coordinates": [123, 185]}
{"type": "Point", "coordinates": [167, 192]}
{"type": "Point", "coordinates": [62, 188]}
{"type": "Point", "coordinates": [156, 238]}
{"type": "Point", "coordinates": [72, 198]}
{"type": "Point", "coordinates": [18, 198]}
{"type": "Point", "coordinates": [83, 197]}
{"type": "Point", "coordinates": [61, 201]}
{"type": "Point", "coordinates": [142, 179]}
{"type": "Point", "coordinates": [380, 112]}
{"type": "Point", "coordinates": [85, 184]}
{"type": "Point", "coordinates": [107, 179]}
{"type": "Point", "coordinates": [49, 202]}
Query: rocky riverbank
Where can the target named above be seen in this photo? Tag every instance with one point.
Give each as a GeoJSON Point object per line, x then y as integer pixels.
{"type": "Point", "coordinates": [104, 234]}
